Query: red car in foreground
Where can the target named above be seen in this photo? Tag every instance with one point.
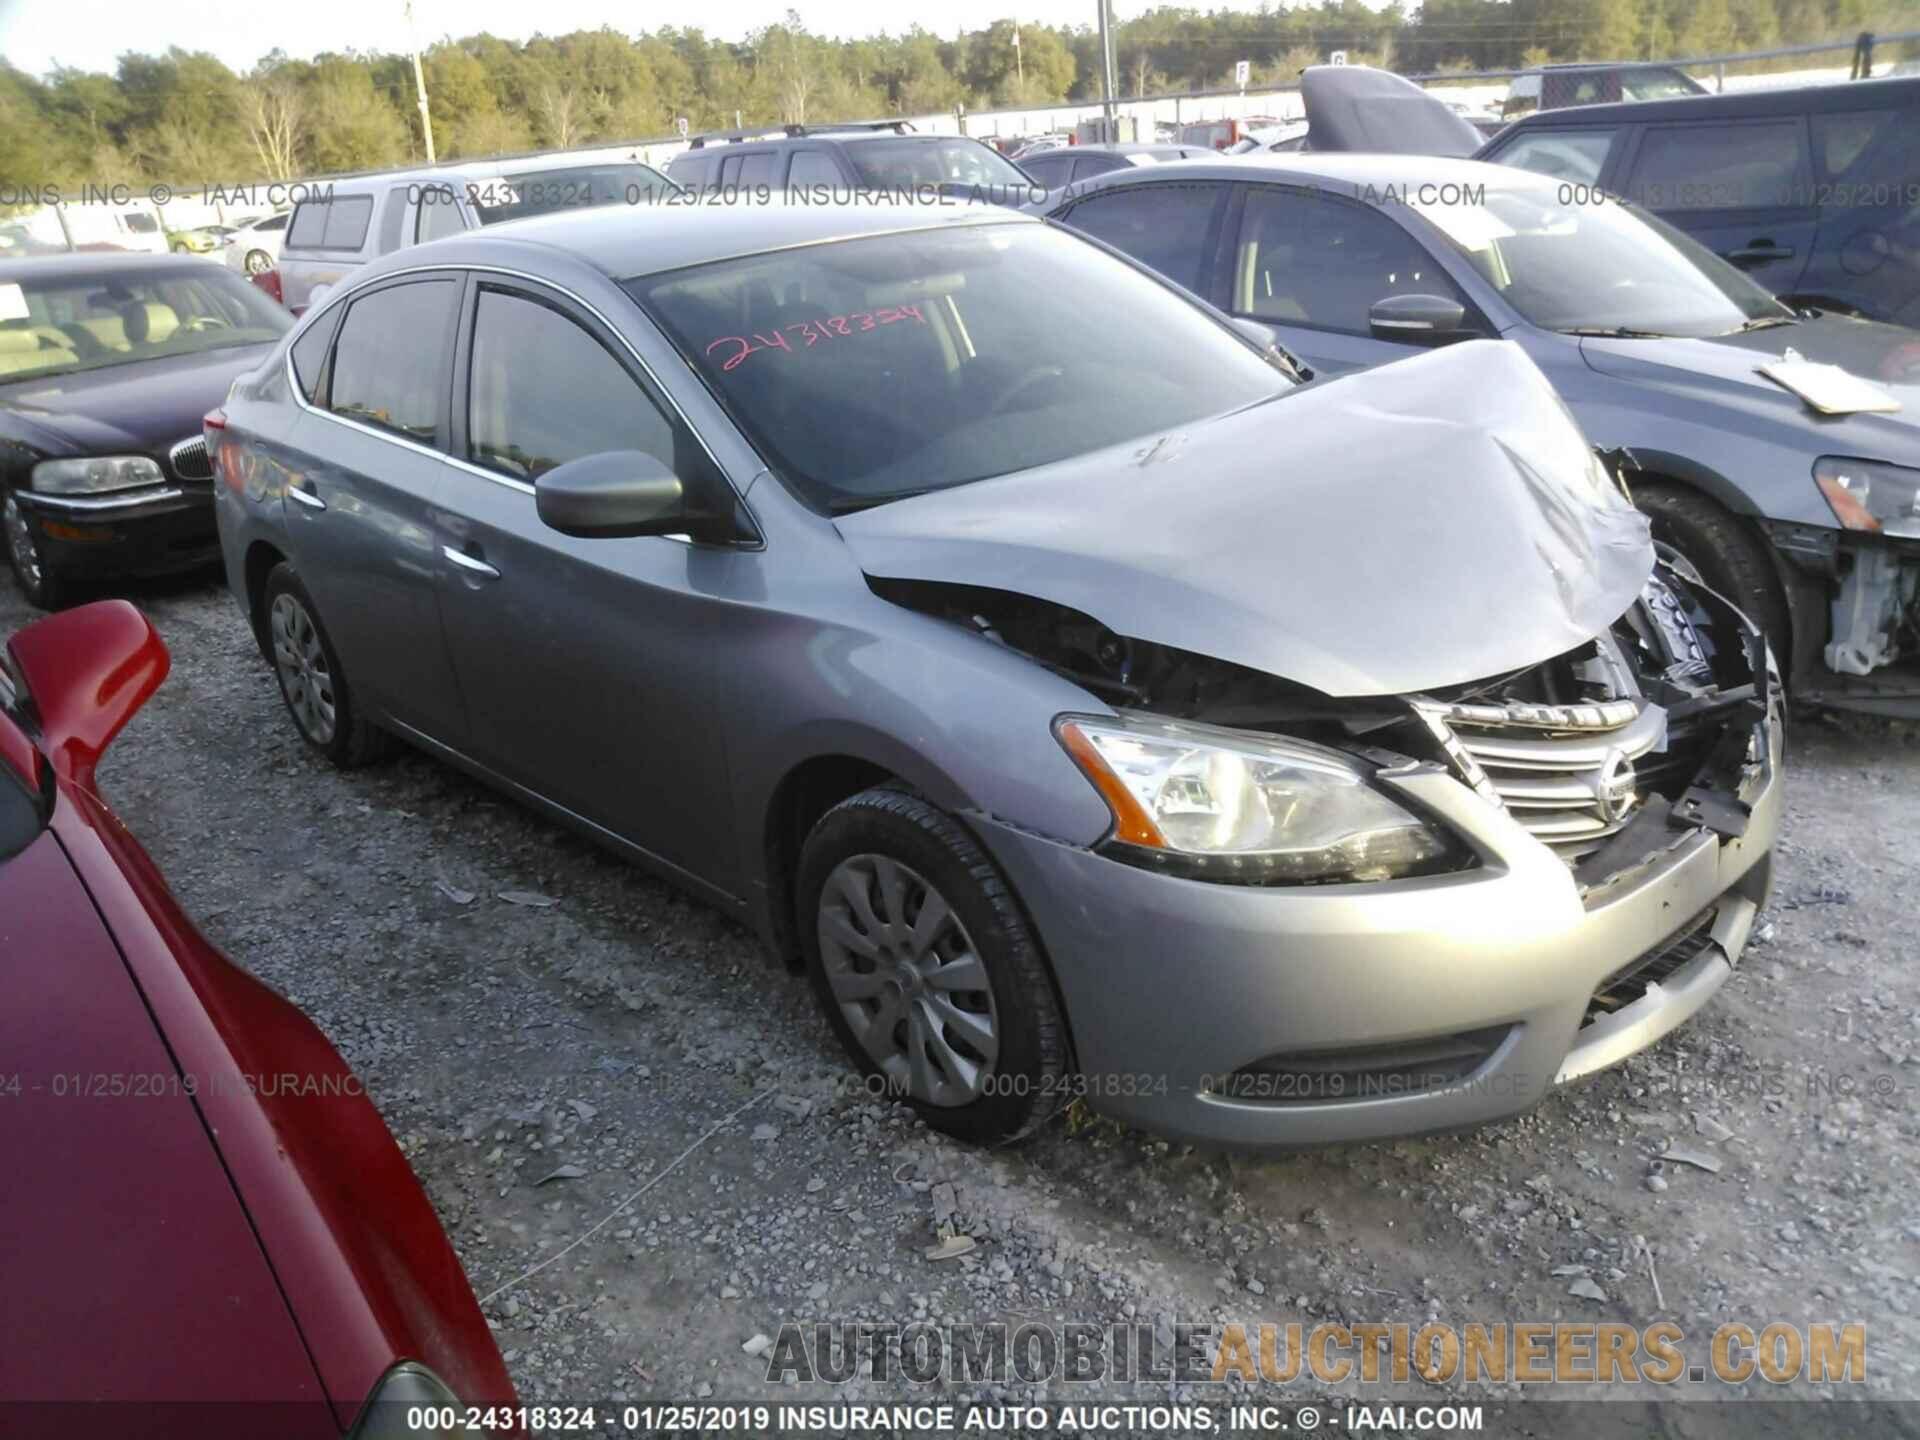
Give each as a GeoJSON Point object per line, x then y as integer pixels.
{"type": "Point", "coordinates": [205, 1227]}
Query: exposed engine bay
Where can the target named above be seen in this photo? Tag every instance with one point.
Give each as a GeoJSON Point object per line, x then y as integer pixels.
{"type": "Point", "coordinates": [1876, 610]}
{"type": "Point", "coordinates": [1603, 753]}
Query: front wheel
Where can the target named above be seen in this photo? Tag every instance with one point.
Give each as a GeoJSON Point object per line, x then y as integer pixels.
{"type": "Point", "coordinates": [1721, 550]}
{"type": "Point", "coordinates": [927, 970]}
{"type": "Point", "coordinates": [258, 262]}
{"type": "Point", "coordinates": [39, 584]}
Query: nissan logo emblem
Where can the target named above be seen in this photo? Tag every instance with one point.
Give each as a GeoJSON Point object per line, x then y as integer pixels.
{"type": "Point", "coordinates": [1616, 786]}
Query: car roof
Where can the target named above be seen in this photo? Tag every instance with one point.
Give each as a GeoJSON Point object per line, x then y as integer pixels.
{"type": "Point", "coordinates": [374, 184]}
{"type": "Point", "coordinates": [1134, 147]}
{"type": "Point", "coordinates": [827, 135]}
{"type": "Point", "coordinates": [97, 264]}
{"type": "Point", "coordinates": [1783, 100]}
{"type": "Point", "coordinates": [1379, 174]}
{"type": "Point", "coordinates": [1563, 66]}
{"type": "Point", "coordinates": [624, 241]}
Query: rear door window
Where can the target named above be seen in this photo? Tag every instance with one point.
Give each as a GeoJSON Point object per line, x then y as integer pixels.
{"type": "Point", "coordinates": [390, 365]}
{"type": "Point", "coordinates": [309, 353]}
{"type": "Point", "coordinates": [1165, 227]}
{"type": "Point", "coordinates": [752, 169]}
{"type": "Point", "coordinates": [1086, 167]}
{"type": "Point", "coordinates": [814, 167]}
{"type": "Point", "coordinates": [1750, 165]}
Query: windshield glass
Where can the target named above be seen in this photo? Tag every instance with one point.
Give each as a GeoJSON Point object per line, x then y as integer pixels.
{"type": "Point", "coordinates": [59, 325]}
{"type": "Point", "coordinates": [1656, 85]}
{"type": "Point", "coordinates": [905, 162]}
{"type": "Point", "coordinates": [1597, 265]}
{"type": "Point", "coordinates": [866, 369]}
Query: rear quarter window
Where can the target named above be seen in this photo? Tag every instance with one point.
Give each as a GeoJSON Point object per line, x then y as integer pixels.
{"type": "Point", "coordinates": [339, 223]}
{"type": "Point", "coordinates": [308, 225]}
{"type": "Point", "coordinates": [310, 353]}
{"type": "Point", "coordinates": [347, 221]}
{"type": "Point", "coordinates": [1876, 149]}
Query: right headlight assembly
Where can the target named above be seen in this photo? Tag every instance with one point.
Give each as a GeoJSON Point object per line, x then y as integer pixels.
{"type": "Point", "coordinates": [1247, 809]}
{"type": "Point", "coordinates": [1872, 496]}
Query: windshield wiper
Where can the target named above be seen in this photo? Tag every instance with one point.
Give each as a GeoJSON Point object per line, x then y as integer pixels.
{"type": "Point", "coordinates": [1616, 332]}
{"type": "Point", "coordinates": [1763, 322]}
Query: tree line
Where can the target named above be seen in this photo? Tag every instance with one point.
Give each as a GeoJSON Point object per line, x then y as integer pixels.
{"type": "Point", "coordinates": [185, 116]}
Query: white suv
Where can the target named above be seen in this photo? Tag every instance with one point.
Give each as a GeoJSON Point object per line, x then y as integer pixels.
{"type": "Point", "coordinates": [346, 223]}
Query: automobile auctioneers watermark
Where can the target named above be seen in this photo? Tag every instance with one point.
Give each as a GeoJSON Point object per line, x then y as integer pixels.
{"type": "Point", "coordinates": [1525, 1352]}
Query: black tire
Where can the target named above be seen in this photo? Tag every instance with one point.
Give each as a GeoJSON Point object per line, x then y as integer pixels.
{"type": "Point", "coordinates": [1024, 1085]}
{"type": "Point", "coordinates": [1721, 546]}
{"type": "Point", "coordinates": [290, 622]}
{"type": "Point", "coordinates": [44, 588]}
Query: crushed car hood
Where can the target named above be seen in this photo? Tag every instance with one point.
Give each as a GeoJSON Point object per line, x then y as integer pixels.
{"type": "Point", "coordinates": [1366, 536]}
{"type": "Point", "coordinates": [1353, 107]}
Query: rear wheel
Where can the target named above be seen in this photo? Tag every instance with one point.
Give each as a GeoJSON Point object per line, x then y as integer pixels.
{"type": "Point", "coordinates": [40, 585]}
{"type": "Point", "coordinates": [1722, 549]}
{"type": "Point", "coordinates": [258, 262]}
{"type": "Point", "coordinates": [926, 968]}
{"type": "Point", "coordinates": [312, 683]}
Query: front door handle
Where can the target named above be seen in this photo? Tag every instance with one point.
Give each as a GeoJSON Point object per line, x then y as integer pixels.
{"type": "Point", "coordinates": [306, 497]}
{"type": "Point", "coordinates": [479, 569]}
{"type": "Point", "coordinates": [1754, 252]}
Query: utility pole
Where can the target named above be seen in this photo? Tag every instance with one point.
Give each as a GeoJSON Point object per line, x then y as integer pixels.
{"type": "Point", "coordinates": [1106, 71]}
{"type": "Point", "coordinates": [420, 83]}
{"type": "Point", "coordinates": [1019, 66]}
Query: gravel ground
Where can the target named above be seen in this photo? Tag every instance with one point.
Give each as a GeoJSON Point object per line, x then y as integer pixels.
{"type": "Point", "coordinates": [548, 1030]}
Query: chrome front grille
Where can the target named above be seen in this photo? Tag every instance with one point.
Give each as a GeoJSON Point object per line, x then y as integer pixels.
{"type": "Point", "coordinates": [188, 459]}
{"type": "Point", "coordinates": [1565, 772]}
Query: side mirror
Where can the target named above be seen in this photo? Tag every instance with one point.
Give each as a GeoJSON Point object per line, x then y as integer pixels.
{"type": "Point", "coordinates": [87, 671]}
{"type": "Point", "coordinates": [1419, 320]}
{"type": "Point", "coordinates": [615, 494]}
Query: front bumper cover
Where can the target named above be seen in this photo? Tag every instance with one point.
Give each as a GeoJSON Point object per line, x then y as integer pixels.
{"type": "Point", "coordinates": [1171, 984]}
{"type": "Point", "coordinates": [158, 530]}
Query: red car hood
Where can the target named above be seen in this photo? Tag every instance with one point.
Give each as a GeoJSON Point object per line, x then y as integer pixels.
{"type": "Point", "coordinates": [132, 1271]}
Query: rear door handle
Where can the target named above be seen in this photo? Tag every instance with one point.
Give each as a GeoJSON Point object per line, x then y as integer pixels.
{"type": "Point", "coordinates": [1755, 251]}
{"type": "Point", "coordinates": [306, 497]}
{"type": "Point", "coordinates": [479, 569]}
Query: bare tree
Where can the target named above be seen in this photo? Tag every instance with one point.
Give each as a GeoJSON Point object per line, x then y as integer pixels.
{"type": "Point", "coordinates": [1143, 74]}
{"type": "Point", "coordinates": [563, 113]}
{"type": "Point", "coordinates": [792, 66]}
{"type": "Point", "coordinates": [274, 114]}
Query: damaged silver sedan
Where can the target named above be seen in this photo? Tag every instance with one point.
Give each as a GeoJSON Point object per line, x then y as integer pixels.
{"type": "Point", "coordinates": [1087, 709]}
